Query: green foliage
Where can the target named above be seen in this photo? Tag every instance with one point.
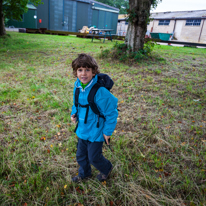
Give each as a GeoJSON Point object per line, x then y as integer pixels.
{"type": "Point", "coordinates": [122, 5]}
{"type": "Point", "coordinates": [131, 15]}
{"type": "Point", "coordinates": [123, 53]}
{"type": "Point", "coordinates": [148, 47]}
{"type": "Point", "coordinates": [6, 21]}
{"type": "Point", "coordinates": [13, 9]}
{"type": "Point", "coordinates": [155, 3]}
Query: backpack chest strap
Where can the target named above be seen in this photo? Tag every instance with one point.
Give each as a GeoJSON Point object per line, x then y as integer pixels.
{"type": "Point", "coordinates": [87, 111]}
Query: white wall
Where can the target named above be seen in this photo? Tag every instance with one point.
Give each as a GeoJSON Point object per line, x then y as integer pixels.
{"type": "Point", "coordinates": [182, 32]}
{"type": "Point", "coordinates": [122, 28]}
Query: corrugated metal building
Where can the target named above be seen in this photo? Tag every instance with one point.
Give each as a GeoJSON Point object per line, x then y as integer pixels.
{"type": "Point", "coordinates": [72, 15]}
{"type": "Point", "coordinates": [29, 19]}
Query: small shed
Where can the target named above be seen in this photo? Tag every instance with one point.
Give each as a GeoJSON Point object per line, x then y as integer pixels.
{"type": "Point", "coordinates": [29, 19]}
{"type": "Point", "coordinates": [72, 15]}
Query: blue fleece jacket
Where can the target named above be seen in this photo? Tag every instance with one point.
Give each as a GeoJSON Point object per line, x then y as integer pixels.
{"type": "Point", "coordinates": [107, 105]}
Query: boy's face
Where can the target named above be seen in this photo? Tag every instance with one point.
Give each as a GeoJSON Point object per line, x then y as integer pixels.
{"type": "Point", "coordinates": [85, 74]}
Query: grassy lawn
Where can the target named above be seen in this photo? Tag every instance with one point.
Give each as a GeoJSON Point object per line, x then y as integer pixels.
{"type": "Point", "coordinates": [159, 144]}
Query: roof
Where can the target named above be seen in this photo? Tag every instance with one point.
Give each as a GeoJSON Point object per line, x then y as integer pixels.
{"type": "Point", "coordinates": [179, 14]}
{"type": "Point", "coordinates": [111, 7]}
{"type": "Point", "coordinates": [30, 6]}
{"type": "Point", "coordinates": [200, 14]}
{"type": "Point", "coordinates": [96, 2]}
{"type": "Point", "coordinates": [122, 16]}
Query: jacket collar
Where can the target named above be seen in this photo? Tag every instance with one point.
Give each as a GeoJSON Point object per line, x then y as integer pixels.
{"type": "Point", "coordinates": [92, 82]}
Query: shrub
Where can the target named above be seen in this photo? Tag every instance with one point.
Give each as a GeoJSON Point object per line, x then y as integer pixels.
{"type": "Point", "coordinates": [123, 53]}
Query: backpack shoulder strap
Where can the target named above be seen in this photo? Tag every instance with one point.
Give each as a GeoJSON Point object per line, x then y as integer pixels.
{"type": "Point", "coordinates": [91, 95]}
{"type": "Point", "coordinates": [77, 91]}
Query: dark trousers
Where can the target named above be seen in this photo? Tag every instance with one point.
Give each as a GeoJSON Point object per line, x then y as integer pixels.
{"type": "Point", "coordinates": [91, 153]}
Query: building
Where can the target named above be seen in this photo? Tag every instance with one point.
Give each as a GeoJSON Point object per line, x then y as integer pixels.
{"type": "Point", "coordinates": [72, 15]}
{"type": "Point", "coordinates": [122, 25]}
{"type": "Point", "coordinates": [29, 19]}
{"type": "Point", "coordinates": [188, 26]}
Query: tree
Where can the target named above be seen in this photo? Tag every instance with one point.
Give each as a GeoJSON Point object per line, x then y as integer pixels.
{"type": "Point", "coordinates": [13, 9]}
{"type": "Point", "coordinates": [122, 5]}
{"type": "Point", "coordinates": [139, 12]}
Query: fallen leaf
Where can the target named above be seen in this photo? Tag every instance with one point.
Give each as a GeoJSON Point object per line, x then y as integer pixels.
{"type": "Point", "coordinates": [79, 191]}
{"type": "Point", "coordinates": [48, 151]}
{"type": "Point", "coordinates": [43, 138]}
{"type": "Point", "coordinates": [111, 203]}
{"type": "Point", "coordinates": [167, 174]}
{"type": "Point", "coordinates": [104, 183]}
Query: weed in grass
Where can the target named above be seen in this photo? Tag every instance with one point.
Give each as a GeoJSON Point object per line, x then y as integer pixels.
{"type": "Point", "coordinates": [158, 71]}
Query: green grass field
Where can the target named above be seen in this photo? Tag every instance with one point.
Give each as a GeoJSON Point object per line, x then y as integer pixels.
{"type": "Point", "coordinates": [159, 144]}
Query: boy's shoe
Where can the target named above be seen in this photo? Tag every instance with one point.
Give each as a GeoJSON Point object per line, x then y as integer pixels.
{"type": "Point", "coordinates": [101, 177]}
{"type": "Point", "coordinates": [79, 179]}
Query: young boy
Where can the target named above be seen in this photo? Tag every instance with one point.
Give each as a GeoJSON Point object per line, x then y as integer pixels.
{"type": "Point", "coordinates": [90, 136]}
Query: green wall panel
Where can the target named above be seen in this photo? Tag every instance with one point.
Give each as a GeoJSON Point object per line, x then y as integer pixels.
{"type": "Point", "coordinates": [82, 15]}
{"type": "Point", "coordinates": [95, 17]}
{"type": "Point", "coordinates": [28, 20]}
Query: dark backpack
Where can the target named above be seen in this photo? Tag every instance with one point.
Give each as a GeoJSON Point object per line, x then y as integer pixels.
{"type": "Point", "coordinates": [103, 81]}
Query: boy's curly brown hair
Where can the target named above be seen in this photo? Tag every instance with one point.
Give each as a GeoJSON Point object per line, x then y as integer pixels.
{"type": "Point", "coordinates": [85, 61]}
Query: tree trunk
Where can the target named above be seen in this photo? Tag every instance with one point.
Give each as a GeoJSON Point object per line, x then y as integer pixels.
{"type": "Point", "coordinates": [139, 13]}
{"type": "Point", "coordinates": [2, 26]}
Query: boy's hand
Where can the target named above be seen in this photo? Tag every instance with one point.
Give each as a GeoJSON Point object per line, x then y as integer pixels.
{"type": "Point", "coordinates": [73, 118]}
{"type": "Point", "coordinates": [106, 138]}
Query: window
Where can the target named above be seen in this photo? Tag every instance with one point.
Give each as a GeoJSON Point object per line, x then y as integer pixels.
{"type": "Point", "coordinates": [126, 22]}
{"type": "Point", "coordinates": [164, 22]}
{"type": "Point", "coordinates": [193, 22]}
